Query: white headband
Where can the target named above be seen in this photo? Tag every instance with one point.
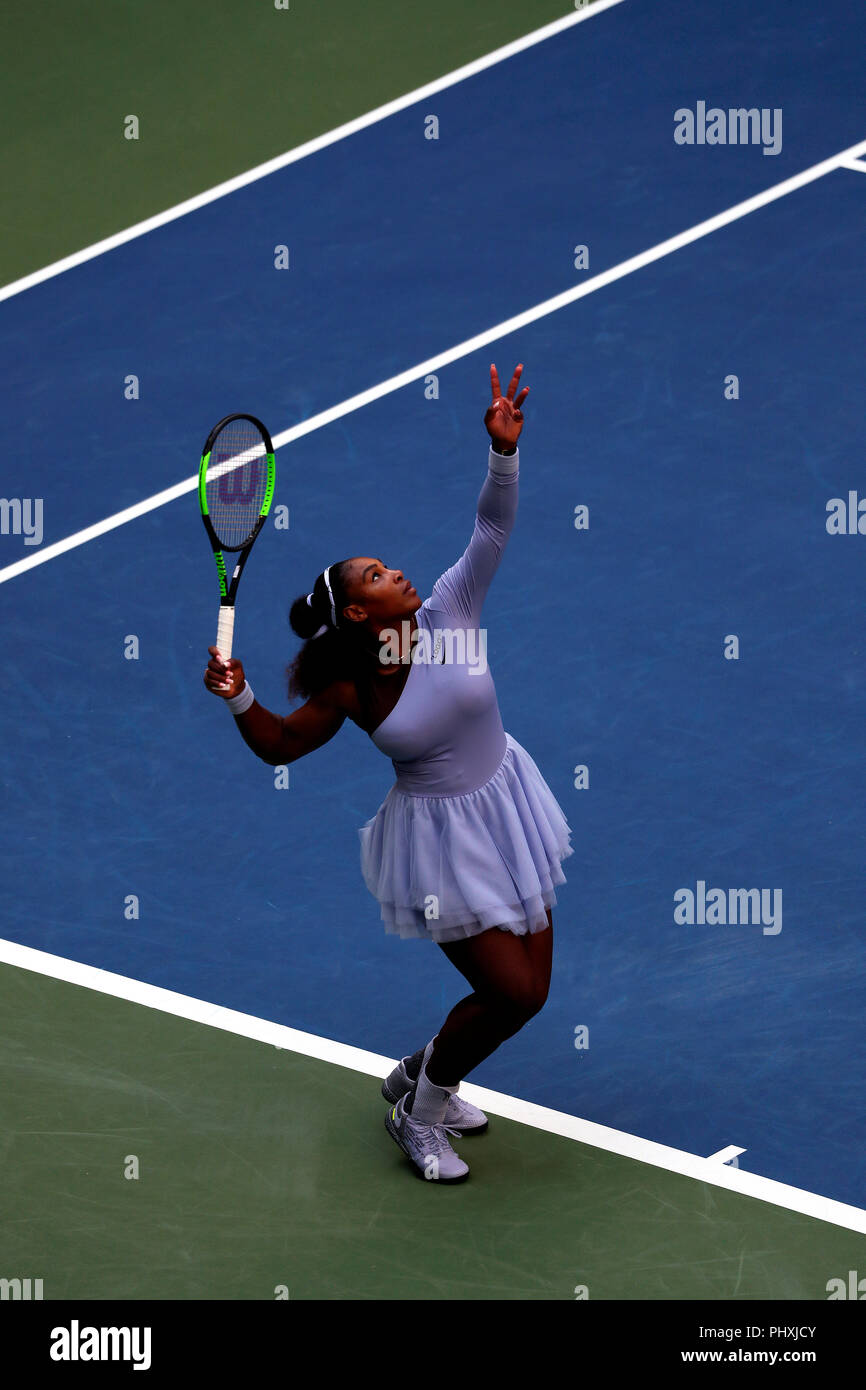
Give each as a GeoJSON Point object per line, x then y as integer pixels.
{"type": "Point", "coordinates": [324, 628]}
{"type": "Point", "coordinates": [330, 595]}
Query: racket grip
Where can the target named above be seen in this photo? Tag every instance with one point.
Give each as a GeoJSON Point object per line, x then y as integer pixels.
{"type": "Point", "coordinates": [225, 631]}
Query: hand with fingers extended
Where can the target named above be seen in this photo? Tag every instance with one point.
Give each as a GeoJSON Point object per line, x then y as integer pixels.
{"type": "Point", "coordinates": [224, 678]}
{"type": "Point", "coordinates": [504, 418]}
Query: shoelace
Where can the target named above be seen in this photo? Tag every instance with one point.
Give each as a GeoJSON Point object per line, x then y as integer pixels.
{"type": "Point", "coordinates": [437, 1142]}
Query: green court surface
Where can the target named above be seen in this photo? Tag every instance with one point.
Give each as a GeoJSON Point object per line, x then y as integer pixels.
{"type": "Point", "coordinates": [262, 1170]}
{"type": "Point", "coordinates": [218, 87]}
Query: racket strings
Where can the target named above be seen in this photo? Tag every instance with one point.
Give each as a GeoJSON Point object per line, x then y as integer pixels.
{"type": "Point", "coordinates": [237, 480]}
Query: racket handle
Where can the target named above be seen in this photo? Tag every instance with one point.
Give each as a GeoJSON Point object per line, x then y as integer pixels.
{"type": "Point", "coordinates": [225, 631]}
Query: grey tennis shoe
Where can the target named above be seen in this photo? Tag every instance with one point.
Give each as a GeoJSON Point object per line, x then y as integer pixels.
{"type": "Point", "coordinates": [460, 1115]}
{"type": "Point", "coordinates": [426, 1145]}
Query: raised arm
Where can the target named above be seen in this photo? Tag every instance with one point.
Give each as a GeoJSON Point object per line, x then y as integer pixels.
{"type": "Point", "coordinates": [460, 592]}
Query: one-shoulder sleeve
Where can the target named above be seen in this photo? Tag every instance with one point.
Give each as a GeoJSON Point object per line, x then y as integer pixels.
{"type": "Point", "coordinates": [460, 592]}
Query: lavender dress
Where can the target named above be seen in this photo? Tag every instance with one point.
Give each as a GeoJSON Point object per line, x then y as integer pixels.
{"type": "Point", "coordinates": [470, 836]}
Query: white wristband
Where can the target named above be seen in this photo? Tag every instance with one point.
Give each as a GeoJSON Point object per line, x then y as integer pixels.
{"type": "Point", "coordinates": [238, 704]}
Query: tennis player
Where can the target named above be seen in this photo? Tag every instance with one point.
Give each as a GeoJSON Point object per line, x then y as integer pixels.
{"type": "Point", "coordinates": [466, 848]}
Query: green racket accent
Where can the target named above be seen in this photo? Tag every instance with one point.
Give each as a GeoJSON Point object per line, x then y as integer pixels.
{"type": "Point", "coordinates": [202, 483]}
{"type": "Point", "coordinates": [221, 569]}
{"type": "Point", "coordinates": [269, 491]}
{"type": "Point", "coordinates": [202, 497]}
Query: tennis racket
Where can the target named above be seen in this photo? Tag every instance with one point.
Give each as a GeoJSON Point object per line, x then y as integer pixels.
{"type": "Point", "coordinates": [235, 491]}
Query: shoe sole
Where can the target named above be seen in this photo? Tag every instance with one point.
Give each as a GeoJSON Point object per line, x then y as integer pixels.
{"type": "Point", "coordinates": [445, 1182]}
{"type": "Point", "coordinates": [392, 1097]}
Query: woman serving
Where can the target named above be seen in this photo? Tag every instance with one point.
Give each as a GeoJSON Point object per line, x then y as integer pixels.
{"type": "Point", "coordinates": [466, 848]}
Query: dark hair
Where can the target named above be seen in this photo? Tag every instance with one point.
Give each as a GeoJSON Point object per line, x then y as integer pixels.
{"type": "Point", "coordinates": [339, 653]}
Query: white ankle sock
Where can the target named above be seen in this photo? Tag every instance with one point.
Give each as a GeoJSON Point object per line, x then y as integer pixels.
{"type": "Point", "coordinates": [429, 1102]}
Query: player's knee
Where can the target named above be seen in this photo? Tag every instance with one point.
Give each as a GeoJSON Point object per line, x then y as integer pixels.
{"type": "Point", "coordinates": [542, 989]}
{"type": "Point", "coordinates": [537, 996]}
{"type": "Point", "coordinates": [523, 1000]}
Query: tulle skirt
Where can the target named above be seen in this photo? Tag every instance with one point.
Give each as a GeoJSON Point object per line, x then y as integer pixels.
{"type": "Point", "coordinates": [449, 867]}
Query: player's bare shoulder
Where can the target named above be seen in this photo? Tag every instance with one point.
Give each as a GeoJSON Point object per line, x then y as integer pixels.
{"type": "Point", "coordinates": [343, 695]}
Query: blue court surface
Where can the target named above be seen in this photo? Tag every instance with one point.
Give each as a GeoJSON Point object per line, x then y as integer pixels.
{"type": "Point", "coordinates": [707, 519]}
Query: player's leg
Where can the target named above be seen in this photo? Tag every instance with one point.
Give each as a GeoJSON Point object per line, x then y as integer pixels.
{"type": "Point", "coordinates": [539, 949]}
{"type": "Point", "coordinates": [510, 976]}
{"type": "Point", "coordinates": [473, 1015]}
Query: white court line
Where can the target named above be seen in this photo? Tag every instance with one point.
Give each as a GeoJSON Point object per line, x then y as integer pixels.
{"type": "Point", "coordinates": [725, 1155]}
{"type": "Point", "coordinates": [443, 359]}
{"type": "Point", "coordinates": [615, 1141]}
{"type": "Point", "coordinates": [321, 142]}
{"type": "Point", "coordinates": [854, 164]}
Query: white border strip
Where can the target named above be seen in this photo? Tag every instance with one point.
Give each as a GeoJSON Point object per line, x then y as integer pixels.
{"type": "Point", "coordinates": [725, 1155]}
{"type": "Point", "coordinates": [444, 359]}
{"type": "Point", "coordinates": [854, 164]}
{"type": "Point", "coordinates": [321, 142]}
{"type": "Point", "coordinates": [707, 1170]}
